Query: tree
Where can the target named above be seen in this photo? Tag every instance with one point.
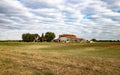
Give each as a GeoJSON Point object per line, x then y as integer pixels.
{"type": "Point", "coordinates": [93, 40]}
{"type": "Point", "coordinates": [42, 38]}
{"type": "Point", "coordinates": [49, 36]}
{"type": "Point", "coordinates": [27, 37]}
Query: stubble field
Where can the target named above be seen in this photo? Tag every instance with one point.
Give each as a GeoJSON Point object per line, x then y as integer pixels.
{"type": "Point", "coordinates": [20, 58]}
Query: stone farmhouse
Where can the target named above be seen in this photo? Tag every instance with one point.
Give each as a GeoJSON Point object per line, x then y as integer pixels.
{"type": "Point", "coordinates": [69, 38]}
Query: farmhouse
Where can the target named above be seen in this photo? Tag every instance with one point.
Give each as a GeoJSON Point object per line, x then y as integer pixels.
{"type": "Point", "coordinates": [69, 38]}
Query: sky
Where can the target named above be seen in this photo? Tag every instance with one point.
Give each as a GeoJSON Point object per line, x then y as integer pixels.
{"type": "Point", "coordinates": [99, 19]}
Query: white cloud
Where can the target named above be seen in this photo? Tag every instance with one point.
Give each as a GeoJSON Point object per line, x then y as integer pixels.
{"type": "Point", "coordinates": [53, 2]}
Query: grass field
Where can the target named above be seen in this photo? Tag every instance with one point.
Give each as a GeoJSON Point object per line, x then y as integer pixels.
{"type": "Point", "coordinates": [20, 58]}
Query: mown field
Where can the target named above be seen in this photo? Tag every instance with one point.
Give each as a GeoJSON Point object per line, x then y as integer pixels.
{"type": "Point", "coordinates": [20, 58]}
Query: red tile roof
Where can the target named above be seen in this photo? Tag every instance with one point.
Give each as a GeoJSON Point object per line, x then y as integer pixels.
{"type": "Point", "coordinates": [67, 35]}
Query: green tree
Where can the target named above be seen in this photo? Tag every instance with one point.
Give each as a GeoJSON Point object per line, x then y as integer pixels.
{"type": "Point", "coordinates": [49, 36]}
{"type": "Point", "coordinates": [42, 39]}
{"type": "Point", "coordinates": [27, 37]}
{"type": "Point", "coordinates": [93, 40]}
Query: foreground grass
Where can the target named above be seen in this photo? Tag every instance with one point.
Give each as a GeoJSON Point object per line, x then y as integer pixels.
{"type": "Point", "coordinates": [19, 58]}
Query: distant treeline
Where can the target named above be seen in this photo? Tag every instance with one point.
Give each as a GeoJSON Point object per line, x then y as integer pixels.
{"type": "Point", "coordinates": [107, 40]}
{"type": "Point", "coordinates": [10, 40]}
{"type": "Point", "coordinates": [104, 40]}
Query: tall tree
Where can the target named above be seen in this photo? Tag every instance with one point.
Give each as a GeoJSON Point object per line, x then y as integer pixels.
{"type": "Point", "coordinates": [27, 37]}
{"type": "Point", "coordinates": [49, 36]}
{"type": "Point", "coordinates": [42, 37]}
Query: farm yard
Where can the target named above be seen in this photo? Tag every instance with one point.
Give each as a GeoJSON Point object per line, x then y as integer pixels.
{"type": "Point", "coordinates": [21, 58]}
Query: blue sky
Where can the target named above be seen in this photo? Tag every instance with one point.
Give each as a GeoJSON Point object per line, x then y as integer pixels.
{"type": "Point", "coordinates": [88, 19]}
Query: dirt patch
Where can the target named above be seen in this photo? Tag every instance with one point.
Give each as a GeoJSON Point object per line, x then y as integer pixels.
{"type": "Point", "coordinates": [113, 46]}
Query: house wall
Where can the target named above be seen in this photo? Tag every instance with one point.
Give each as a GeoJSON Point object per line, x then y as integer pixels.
{"type": "Point", "coordinates": [70, 38]}
{"type": "Point", "coordinates": [64, 39]}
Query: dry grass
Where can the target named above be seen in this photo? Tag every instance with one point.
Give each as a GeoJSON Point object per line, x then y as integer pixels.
{"type": "Point", "coordinates": [59, 59]}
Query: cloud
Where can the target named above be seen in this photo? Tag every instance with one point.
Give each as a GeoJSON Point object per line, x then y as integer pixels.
{"type": "Point", "coordinates": [89, 19]}
{"type": "Point", "coordinates": [35, 4]}
{"type": "Point", "coordinates": [112, 4]}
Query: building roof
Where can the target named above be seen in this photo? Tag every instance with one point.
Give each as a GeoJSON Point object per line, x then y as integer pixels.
{"type": "Point", "coordinates": [68, 35]}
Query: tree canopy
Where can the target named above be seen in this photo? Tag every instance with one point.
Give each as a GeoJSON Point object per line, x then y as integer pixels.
{"type": "Point", "coordinates": [27, 37]}
{"type": "Point", "coordinates": [93, 40]}
{"type": "Point", "coordinates": [49, 36]}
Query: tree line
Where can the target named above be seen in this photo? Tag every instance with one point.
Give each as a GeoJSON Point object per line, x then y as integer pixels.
{"type": "Point", "coordinates": [108, 40]}
{"type": "Point", "coordinates": [28, 37]}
